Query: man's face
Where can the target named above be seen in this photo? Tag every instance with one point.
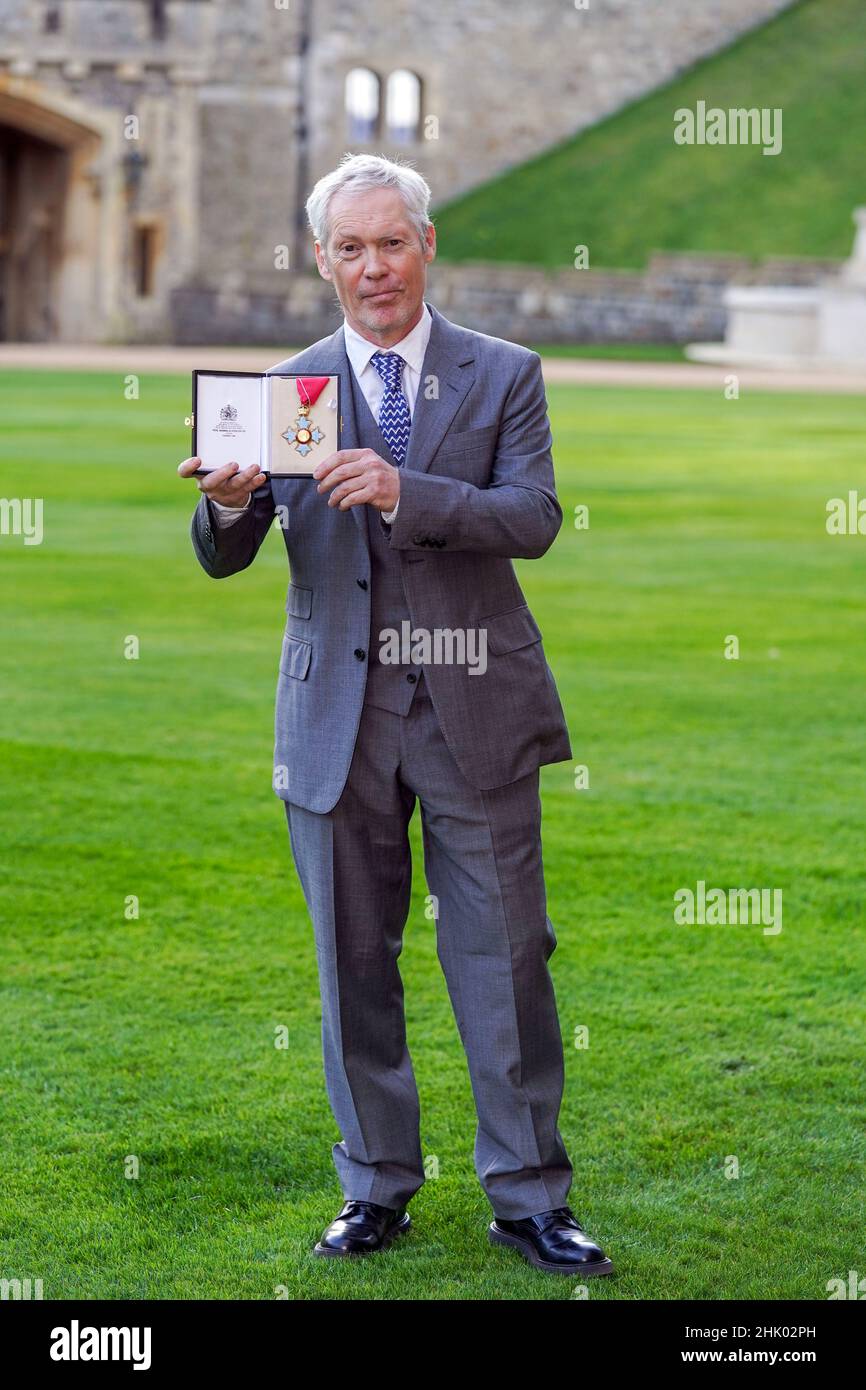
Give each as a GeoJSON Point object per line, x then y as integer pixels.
{"type": "Point", "coordinates": [376, 262]}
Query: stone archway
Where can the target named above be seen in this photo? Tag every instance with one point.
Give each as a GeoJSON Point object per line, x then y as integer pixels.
{"type": "Point", "coordinates": [52, 217]}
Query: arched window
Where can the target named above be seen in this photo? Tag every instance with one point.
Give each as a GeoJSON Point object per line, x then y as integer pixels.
{"type": "Point", "coordinates": [403, 107]}
{"type": "Point", "coordinates": [362, 104]}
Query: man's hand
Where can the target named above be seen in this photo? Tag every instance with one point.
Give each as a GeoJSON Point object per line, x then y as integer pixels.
{"type": "Point", "coordinates": [359, 475]}
{"type": "Point", "coordinates": [229, 485]}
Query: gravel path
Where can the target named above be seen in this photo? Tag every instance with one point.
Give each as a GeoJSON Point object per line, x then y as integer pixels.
{"type": "Point", "coordinates": [142, 358]}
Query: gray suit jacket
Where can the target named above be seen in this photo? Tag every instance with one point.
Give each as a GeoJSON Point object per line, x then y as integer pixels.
{"type": "Point", "coordinates": [476, 490]}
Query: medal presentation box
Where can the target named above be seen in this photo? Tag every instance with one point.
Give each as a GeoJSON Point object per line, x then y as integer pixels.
{"type": "Point", "coordinates": [284, 424]}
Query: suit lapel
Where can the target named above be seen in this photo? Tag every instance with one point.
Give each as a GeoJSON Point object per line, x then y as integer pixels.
{"type": "Point", "coordinates": [447, 374]}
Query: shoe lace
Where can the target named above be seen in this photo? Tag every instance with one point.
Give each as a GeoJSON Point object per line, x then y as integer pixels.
{"type": "Point", "coordinates": [562, 1213]}
{"type": "Point", "coordinates": [356, 1204]}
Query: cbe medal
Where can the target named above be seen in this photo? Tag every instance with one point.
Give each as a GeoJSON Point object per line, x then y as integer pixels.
{"type": "Point", "coordinates": [304, 433]}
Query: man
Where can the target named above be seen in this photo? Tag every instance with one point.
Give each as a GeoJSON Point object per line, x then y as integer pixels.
{"type": "Point", "coordinates": [445, 476]}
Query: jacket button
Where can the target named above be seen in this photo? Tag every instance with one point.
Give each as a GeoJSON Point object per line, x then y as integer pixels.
{"type": "Point", "coordinates": [362, 583]}
{"type": "Point", "coordinates": [411, 679]}
{"type": "Point", "coordinates": [360, 653]}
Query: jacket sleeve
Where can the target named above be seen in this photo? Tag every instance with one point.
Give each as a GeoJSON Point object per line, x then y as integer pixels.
{"type": "Point", "coordinates": [517, 514]}
{"type": "Point", "coordinates": [224, 550]}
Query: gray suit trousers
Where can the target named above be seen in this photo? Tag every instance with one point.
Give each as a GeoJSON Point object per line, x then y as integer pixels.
{"type": "Point", "coordinates": [482, 860]}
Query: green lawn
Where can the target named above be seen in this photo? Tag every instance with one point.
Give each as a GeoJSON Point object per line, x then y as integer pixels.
{"type": "Point", "coordinates": [154, 1037]}
{"type": "Point", "coordinates": [624, 189]}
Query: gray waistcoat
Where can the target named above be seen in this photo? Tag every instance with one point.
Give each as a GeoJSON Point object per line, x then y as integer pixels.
{"type": "Point", "coordinates": [387, 685]}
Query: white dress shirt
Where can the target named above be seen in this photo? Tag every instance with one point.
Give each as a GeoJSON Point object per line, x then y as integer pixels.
{"type": "Point", "coordinates": [359, 351]}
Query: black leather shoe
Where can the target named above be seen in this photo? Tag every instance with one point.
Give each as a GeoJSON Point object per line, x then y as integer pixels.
{"type": "Point", "coordinates": [361, 1228]}
{"type": "Point", "coordinates": [552, 1241]}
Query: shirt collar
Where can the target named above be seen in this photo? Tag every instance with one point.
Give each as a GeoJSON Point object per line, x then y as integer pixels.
{"type": "Point", "coordinates": [411, 348]}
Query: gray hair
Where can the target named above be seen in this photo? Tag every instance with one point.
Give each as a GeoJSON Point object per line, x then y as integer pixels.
{"type": "Point", "coordinates": [357, 173]}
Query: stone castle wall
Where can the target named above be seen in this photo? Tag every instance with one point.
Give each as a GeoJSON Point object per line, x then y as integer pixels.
{"type": "Point", "coordinates": [240, 107]}
{"type": "Point", "coordinates": [677, 299]}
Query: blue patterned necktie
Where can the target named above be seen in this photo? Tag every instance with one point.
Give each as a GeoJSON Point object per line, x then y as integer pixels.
{"type": "Point", "coordinates": [394, 419]}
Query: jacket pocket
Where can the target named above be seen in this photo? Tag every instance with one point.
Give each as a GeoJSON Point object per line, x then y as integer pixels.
{"type": "Point", "coordinates": [295, 657]}
{"type": "Point", "coordinates": [299, 602]}
{"type": "Point", "coordinates": [465, 441]}
{"type": "Point", "coordinates": [506, 632]}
